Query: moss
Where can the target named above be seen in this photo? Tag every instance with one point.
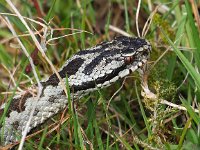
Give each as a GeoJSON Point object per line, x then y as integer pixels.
{"type": "Point", "coordinates": [160, 22]}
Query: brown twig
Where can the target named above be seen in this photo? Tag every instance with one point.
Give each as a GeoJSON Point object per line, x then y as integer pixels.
{"type": "Point", "coordinates": [34, 55]}
{"type": "Point", "coordinates": [196, 13]}
{"type": "Point", "coordinates": [37, 7]}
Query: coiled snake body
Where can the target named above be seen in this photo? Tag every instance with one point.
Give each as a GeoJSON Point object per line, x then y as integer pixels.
{"type": "Point", "coordinates": [89, 69]}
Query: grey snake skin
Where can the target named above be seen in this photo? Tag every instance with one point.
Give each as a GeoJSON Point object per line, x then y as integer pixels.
{"type": "Point", "coordinates": [88, 70]}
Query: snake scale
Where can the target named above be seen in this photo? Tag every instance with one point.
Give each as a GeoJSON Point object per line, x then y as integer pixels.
{"type": "Point", "coordinates": [87, 70]}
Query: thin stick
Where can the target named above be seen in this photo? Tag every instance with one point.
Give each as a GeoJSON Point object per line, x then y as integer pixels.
{"type": "Point", "coordinates": [177, 106]}
{"type": "Point", "coordinates": [29, 19]}
{"type": "Point", "coordinates": [148, 22]}
{"type": "Point", "coordinates": [115, 29]}
{"type": "Point", "coordinates": [12, 78]}
{"type": "Point", "coordinates": [137, 16]}
{"type": "Point", "coordinates": [150, 5]}
{"type": "Point", "coordinates": [56, 38]}
{"type": "Point", "coordinates": [116, 93]}
{"type": "Point", "coordinates": [196, 13]}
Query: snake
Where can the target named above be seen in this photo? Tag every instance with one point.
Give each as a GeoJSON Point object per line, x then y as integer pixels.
{"type": "Point", "coordinates": [87, 70]}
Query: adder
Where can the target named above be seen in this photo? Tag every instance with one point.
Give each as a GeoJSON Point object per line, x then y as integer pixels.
{"type": "Point", "coordinates": [87, 70]}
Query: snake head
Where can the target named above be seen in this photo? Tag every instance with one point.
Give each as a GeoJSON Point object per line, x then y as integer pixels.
{"type": "Point", "coordinates": [126, 55]}
{"type": "Point", "coordinates": [135, 50]}
{"type": "Point", "coordinates": [109, 61]}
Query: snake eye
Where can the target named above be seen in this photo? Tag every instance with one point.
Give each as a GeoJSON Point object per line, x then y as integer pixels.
{"type": "Point", "coordinates": [128, 60]}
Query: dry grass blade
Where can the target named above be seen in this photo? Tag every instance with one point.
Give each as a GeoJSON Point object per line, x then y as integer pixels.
{"type": "Point", "coordinates": [115, 29]}
{"type": "Point", "coordinates": [148, 22]}
{"type": "Point", "coordinates": [137, 16]}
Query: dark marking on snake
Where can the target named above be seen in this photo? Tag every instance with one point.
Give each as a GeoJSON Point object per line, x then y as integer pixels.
{"type": "Point", "coordinates": [70, 69]}
{"type": "Point", "coordinates": [15, 125]}
{"type": "Point", "coordinates": [18, 104]}
{"type": "Point", "coordinates": [90, 67]}
{"type": "Point", "coordinates": [101, 80]}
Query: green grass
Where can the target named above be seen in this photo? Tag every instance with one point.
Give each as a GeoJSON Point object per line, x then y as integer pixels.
{"type": "Point", "coordinates": [131, 121]}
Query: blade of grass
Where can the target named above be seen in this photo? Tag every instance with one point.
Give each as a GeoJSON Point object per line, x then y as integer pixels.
{"type": "Point", "coordinates": [129, 110]}
{"type": "Point", "coordinates": [77, 131]}
{"type": "Point", "coordinates": [5, 57]}
{"type": "Point", "coordinates": [50, 12]}
{"type": "Point", "coordinates": [127, 146]}
{"type": "Point", "coordinates": [185, 61]}
{"type": "Point", "coordinates": [107, 24]}
{"type": "Point", "coordinates": [143, 112]}
{"type": "Point", "coordinates": [98, 135]}
{"type": "Point", "coordinates": [128, 121]}
{"type": "Point", "coordinates": [193, 135]}
{"type": "Point", "coordinates": [195, 33]}
{"type": "Point", "coordinates": [194, 116]}
{"type": "Point", "coordinates": [172, 62]}
{"type": "Point", "coordinates": [83, 24]}
{"type": "Point", "coordinates": [52, 141]}
{"type": "Point", "coordinates": [126, 17]}
{"type": "Point", "coordinates": [12, 19]}
{"type": "Point", "coordinates": [42, 138]}
{"type": "Point", "coordinates": [90, 115]}
{"type": "Point", "coordinates": [107, 142]}
{"type": "Point", "coordinates": [186, 127]}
